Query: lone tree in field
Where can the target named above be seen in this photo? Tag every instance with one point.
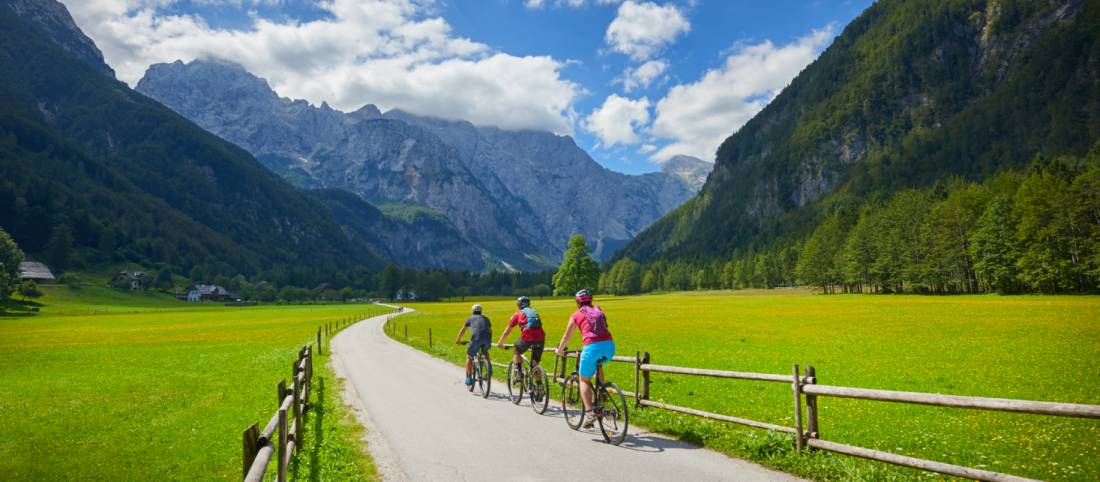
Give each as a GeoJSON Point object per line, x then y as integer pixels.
{"type": "Point", "coordinates": [10, 257]}
{"type": "Point", "coordinates": [578, 269]}
{"type": "Point", "coordinates": [29, 289]}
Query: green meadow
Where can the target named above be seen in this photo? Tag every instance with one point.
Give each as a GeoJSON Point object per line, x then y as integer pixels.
{"type": "Point", "coordinates": [108, 385]}
{"type": "Point", "coordinates": [1024, 347]}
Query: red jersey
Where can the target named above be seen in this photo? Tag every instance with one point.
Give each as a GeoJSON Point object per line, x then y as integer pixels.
{"type": "Point", "coordinates": [528, 334]}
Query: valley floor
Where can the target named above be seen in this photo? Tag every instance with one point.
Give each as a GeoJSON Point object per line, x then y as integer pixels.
{"type": "Point", "coordinates": [1024, 347]}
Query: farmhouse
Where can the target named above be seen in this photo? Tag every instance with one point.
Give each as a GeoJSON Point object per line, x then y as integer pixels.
{"type": "Point", "coordinates": [134, 280]}
{"type": "Point", "coordinates": [35, 271]}
{"type": "Point", "coordinates": [210, 293]}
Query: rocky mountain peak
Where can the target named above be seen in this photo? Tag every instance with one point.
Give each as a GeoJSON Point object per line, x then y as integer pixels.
{"type": "Point", "coordinates": [369, 111]}
{"type": "Point", "coordinates": [54, 20]}
{"type": "Point", "coordinates": [692, 170]}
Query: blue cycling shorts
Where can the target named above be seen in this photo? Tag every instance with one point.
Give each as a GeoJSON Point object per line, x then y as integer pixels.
{"type": "Point", "coordinates": [595, 354]}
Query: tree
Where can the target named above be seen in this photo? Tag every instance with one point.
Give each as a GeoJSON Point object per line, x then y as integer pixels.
{"type": "Point", "coordinates": [817, 265]}
{"type": "Point", "coordinates": [993, 246]}
{"type": "Point", "coordinates": [578, 269]}
{"type": "Point", "coordinates": [859, 251]}
{"type": "Point", "coordinates": [650, 282]}
{"type": "Point", "coordinates": [390, 281]}
{"type": "Point", "coordinates": [10, 257]}
{"type": "Point", "coordinates": [164, 278]}
{"type": "Point", "coordinates": [541, 290]}
{"type": "Point", "coordinates": [1049, 250]}
{"type": "Point", "coordinates": [29, 289]}
{"type": "Point", "coordinates": [198, 274]}
{"type": "Point", "coordinates": [59, 250]}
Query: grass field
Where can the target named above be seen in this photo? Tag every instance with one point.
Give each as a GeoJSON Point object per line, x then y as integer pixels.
{"type": "Point", "coordinates": [1026, 347]}
{"type": "Point", "coordinates": [108, 385]}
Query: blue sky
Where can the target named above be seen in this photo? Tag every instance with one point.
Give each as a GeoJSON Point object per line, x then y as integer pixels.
{"type": "Point", "coordinates": [633, 82]}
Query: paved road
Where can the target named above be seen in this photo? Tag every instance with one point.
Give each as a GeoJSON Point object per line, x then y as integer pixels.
{"type": "Point", "coordinates": [424, 425]}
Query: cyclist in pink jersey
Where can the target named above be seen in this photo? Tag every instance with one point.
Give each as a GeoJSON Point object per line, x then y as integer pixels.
{"type": "Point", "coordinates": [599, 347]}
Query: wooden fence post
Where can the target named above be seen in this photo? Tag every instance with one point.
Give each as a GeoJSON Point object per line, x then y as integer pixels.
{"type": "Point", "coordinates": [645, 377]}
{"type": "Point", "coordinates": [637, 379]}
{"type": "Point", "coordinates": [296, 413]}
{"type": "Point", "coordinates": [429, 337]}
{"type": "Point", "coordinates": [251, 437]}
{"type": "Point", "coordinates": [281, 390]}
{"type": "Point", "coordinates": [796, 387]}
{"type": "Point", "coordinates": [318, 340]}
{"type": "Point", "coordinates": [406, 331]}
{"type": "Point", "coordinates": [811, 406]}
{"type": "Point", "coordinates": [282, 445]}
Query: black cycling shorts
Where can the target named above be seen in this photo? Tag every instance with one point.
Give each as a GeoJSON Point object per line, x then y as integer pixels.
{"type": "Point", "coordinates": [536, 348]}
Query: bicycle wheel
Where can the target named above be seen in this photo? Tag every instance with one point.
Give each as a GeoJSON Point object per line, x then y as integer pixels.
{"type": "Point", "coordinates": [540, 390]}
{"type": "Point", "coordinates": [515, 382]}
{"type": "Point", "coordinates": [473, 377]}
{"type": "Point", "coordinates": [476, 387]}
{"type": "Point", "coordinates": [612, 414]}
{"type": "Point", "coordinates": [571, 405]}
{"type": "Point", "coordinates": [486, 378]}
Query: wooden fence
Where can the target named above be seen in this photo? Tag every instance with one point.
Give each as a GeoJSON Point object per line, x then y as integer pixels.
{"type": "Point", "coordinates": [806, 431]}
{"type": "Point", "coordinates": [805, 391]}
{"type": "Point", "coordinates": [284, 434]}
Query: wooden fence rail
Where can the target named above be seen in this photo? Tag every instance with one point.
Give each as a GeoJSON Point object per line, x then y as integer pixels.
{"type": "Point", "coordinates": [288, 424]}
{"type": "Point", "coordinates": [284, 434]}
{"type": "Point", "coordinates": [805, 388]}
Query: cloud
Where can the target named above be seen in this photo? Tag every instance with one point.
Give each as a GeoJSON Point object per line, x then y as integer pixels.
{"type": "Point", "coordinates": [387, 52]}
{"type": "Point", "coordinates": [643, 75]}
{"type": "Point", "coordinates": [536, 4]}
{"type": "Point", "coordinates": [641, 30]}
{"type": "Point", "coordinates": [698, 116]}
{"type": "Point", "coordinates": [616, 121]}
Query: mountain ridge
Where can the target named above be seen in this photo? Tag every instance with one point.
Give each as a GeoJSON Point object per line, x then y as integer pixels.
{"type": "Point", "coordinates": [514, 193]}
{"type": "Point", "coordinates": [910, 93]}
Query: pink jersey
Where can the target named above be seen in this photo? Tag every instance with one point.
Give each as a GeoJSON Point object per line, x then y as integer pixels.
{"type": "Point", "coordinates": [592, 323]}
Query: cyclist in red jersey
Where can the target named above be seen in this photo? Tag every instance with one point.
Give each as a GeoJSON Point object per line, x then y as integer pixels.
{"type": "Point", "coordinates": [532, 337]}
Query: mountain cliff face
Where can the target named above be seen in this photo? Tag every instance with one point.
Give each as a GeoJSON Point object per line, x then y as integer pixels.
{"type": "Point", "coordinates": [52, 19]}
{"type": "Point", "coordinates": [518, 195]}
{"type": "Point", "coordinates": [912, 92]}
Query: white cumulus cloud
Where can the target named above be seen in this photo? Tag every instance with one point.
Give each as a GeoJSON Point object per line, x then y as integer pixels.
{"type": "Point", "coordinates": [641, 30]}
{"type": "Point", "coordinates": [617, 120]}
{"type": "Point", "coordinates": [388, 52]}
{"type": "Point", "coordinates": [642, 76]}
{"type": "Point", "coordinates": [698, 116]}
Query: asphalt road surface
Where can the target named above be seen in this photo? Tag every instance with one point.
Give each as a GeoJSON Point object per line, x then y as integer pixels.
{"type": "Point", "coordinates": [423, 424]}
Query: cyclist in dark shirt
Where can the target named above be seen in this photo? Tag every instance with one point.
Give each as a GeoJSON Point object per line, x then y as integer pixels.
{"type": "Point", "coordinates": [481, 337]}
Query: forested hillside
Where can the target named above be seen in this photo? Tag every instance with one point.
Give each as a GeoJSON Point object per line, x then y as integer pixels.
{"type": "Point", "coordinates": [103, 174]}
{"type": "Point", "coordinates": [925, 95]}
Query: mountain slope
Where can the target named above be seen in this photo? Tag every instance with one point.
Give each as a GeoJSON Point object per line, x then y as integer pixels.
{"type": "Point", "coordinates": [516, 194]}
{"type": "Point", "coordinates": [133, 179]}
{"type": "Point", "coordinates": [910, 93]}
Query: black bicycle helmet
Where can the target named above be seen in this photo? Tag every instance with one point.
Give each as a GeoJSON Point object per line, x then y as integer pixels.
{"type": "Point", "coordinates": [523, 302]}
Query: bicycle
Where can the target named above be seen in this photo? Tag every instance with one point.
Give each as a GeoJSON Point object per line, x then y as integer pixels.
{"type": "Point", "coordinates": [610, 411]}
{"type": "Point", "coordinates": [535, 382]}
{"type": "Point", "coordinates": [483, 372]}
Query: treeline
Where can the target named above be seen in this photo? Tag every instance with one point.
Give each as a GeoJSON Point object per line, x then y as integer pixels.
{"type": "Point", "coordinates": [392, 283]}
{"type": "Point", "coordinates": [1031, 231]}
